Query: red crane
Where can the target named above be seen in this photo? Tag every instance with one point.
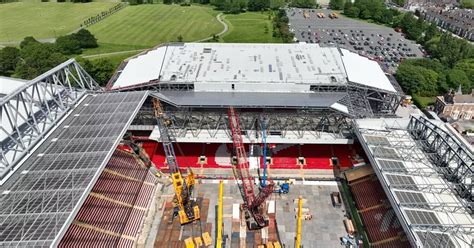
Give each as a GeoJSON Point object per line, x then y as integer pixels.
{"type": "Point", "coordinates": [253, 204]}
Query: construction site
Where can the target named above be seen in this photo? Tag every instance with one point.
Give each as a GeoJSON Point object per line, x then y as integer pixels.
{"type": "Point", "coordinates": [286, 145]}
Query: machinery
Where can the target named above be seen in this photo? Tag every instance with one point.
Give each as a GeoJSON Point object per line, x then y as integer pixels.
{"type": "Point", "coordinates": [253, 204]}
{"type": "Point", "coordinates": [263, 182]}
{"type": "Point", "coordinates": [284, 188]}
{"type": "Point", "coordinates": [141, 153]}
{"type": "Point", "coordinates": [188, 210]}
{"type": "Point", "coordinates": [298, 223]}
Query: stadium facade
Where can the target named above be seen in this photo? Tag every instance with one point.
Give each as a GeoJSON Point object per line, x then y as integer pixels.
{"type": "Point", "coordinates": [302, 93]}
{"type": "Point", "coordinates": [59, 131]}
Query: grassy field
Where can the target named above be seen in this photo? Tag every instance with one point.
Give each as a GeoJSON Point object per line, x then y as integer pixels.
{"type": "Point", "coordinates": [150, 25]}
{"type": "Point", "coordinates": [252, 27]}
{"type": "Point", "coordinates": [423, 101]}
{"type": "Point", "coordinates": [44, 20]}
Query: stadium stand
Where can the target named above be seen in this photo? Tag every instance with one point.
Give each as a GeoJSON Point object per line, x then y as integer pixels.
{"type": "Point", "coordinates": [380, 222]}
{"type": "Point", "coordinates": [114, 211]}
{"type": "Point", "coordinates": [367, 192]}
{"type": "Point", "coordinates": [283, 156]}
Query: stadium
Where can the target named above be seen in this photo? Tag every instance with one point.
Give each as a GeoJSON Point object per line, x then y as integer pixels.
{"type": "Point", "coordinates": [83, 166]}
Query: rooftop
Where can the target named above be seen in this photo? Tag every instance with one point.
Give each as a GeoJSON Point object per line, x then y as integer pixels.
{"type": "Point", "coordinates": [251, 67]}
{"type": "Point", "coordinates": [427, 205]}
{"type": "Point", "coordinates": [8, 85]}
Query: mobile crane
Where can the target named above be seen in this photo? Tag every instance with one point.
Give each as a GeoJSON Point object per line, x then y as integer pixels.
{"type": "Point", "coordinates": [253, 204]}
{"type": "Point", "coordinates": [188, 210]}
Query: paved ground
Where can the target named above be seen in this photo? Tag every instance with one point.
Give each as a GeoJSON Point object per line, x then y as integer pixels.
{"type": "Point", "coordinates": [323, 230]}
{"type": "Point", "coordinates": [370, 40]}
{"type": "Point", "coordinates": [326, 226]}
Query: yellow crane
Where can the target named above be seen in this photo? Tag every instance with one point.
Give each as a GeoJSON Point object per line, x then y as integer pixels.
{"type": "Point", "coordinates": [188, 210]}
{"type": "Point", "coordinates": [219, 215]}
{"type": "Point", "coordinates": [298, 223]}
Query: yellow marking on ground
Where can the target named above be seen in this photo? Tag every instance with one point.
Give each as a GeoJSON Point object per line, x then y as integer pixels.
{"type": "Point", "coordinates": [126, 177]}
{"type": "Point", "coordinates": [103, 197]}
{"type": "Point", "coordinates": [101, 230]}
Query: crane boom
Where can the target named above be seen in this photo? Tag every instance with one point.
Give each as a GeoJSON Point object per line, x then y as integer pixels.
{"type": "Point", "coordinates": [252, 204]}
{"type": "Point", "coordinates": [188, 211]}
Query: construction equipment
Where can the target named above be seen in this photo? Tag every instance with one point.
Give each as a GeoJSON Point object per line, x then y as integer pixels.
{"type": "Point", "coordinates": [189, 243]}
{"type": "Point", "coordinates": [253, 205]}
{"type": "Point", "coordinates": [188, 210]}
{"type": "Point", "coordinates": [206, 237]}
{"type": "Point", "coordinates": [264, 159]}
{"type": "Point", "coordinates": [284, 188]}
{"type": "Point", "coordinates": [128, 140]}
{"type": "Point", "coordinates": [298, 223]}
{"type": "Point", "coordinates": [219, 215]}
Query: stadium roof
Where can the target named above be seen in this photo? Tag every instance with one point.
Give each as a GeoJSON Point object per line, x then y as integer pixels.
{"type": "Point", "coordinates": [39, 201]}
{"type": "Point", "coordinates": [254, 99]}
{"type": "Point", "coordinates": [250, 67]}
{"type": "Point", "coordinates": [428, 206]}
{"type": "Point", "coordinates": [8, 85]}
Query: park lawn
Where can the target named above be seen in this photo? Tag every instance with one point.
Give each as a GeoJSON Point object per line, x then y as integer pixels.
{"type": "Point", "coordinates": [153, 24]}
{"type": "Point", "coordinates": [44, 20]}
{"type": "Point", "coordinates": [250, 27]}
{"type": "Point", "coordinates": [111, 48]}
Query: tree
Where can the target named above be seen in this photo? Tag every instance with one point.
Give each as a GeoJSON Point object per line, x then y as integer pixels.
{"type": "Point", "coordinates": [466, 65]}
{"type": "Point", "coordinates": [400, 3]}
{"type": "Point", "coordinates": [68, 44]}
{"type": "Point", "coordinates": [336, 4]}
{"type": "Point", "coordinates": [431, 32]}
{"type": "Point", "coordinates": [347, 6]}
{"type": "Point", "coordinates": [9, 58]}
{"type": "Point", "coordinates": [38, 58]}
{"type": "Point", "coordinates": [353, 12]}
{"type": "Point", "coordinates": [432, 64]}
{"type": "Point", "coordinates": [28, 40]}
{"type": "Point", "coordinates": [258, 5]}
{"type": "Point", "coordinates": [386, 16]}
{"type": "Point", "coordinates": [86, 39]}
{"type": "Point", "coordinates": [180, 38]}
{"type": "Point", "coordinates": [101, 70]}
{"type": "Point", "coordinates": [417, 80]}
{"type": "Point", "coordinates": [455, 78]}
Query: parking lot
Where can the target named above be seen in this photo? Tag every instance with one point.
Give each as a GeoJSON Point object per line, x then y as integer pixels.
{"type": "Point", "coordinates": [370, 40]}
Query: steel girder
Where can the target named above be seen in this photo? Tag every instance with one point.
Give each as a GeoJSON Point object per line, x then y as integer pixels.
{"type": "Point", "coordinates": [32, 110]}
{"type": "Point", "coordinates": [279, 122]}
{"type": "Point", "coordinates": [449, 154]}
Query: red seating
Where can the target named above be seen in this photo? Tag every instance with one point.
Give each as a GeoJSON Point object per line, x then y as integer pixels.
{"type": "Point", "coordinates": [394, 244]}
{"type": "Point", "coordinates": [117, 204]}
{"type": "Point", "coordinates": [283, 156]}
{"type": "Point", "coordinates": [368, 193]}
{"type": "Point", "coordinates": [317, 156]}
{"type": "Point", "coordinates": [344, 154]}
{"type": "Point", "coordinates": [79, 237]}
{"type": "Point", "coordinates": [381, 223]}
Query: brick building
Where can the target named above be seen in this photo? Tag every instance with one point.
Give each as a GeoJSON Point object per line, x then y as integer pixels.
{"type": "Point", "coordinates": [455, 106]}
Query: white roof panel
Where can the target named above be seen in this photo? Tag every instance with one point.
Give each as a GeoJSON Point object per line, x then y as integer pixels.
{"type": "Point", "coordinates": [250, 67]}
{"type": "Point", "coordinates": [364, 71]}
{"type": "Point", "coordinates": [8, 85]}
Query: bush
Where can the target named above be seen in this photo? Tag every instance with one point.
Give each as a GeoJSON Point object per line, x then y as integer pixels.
{"type": "Point", "coordinates": [68, 45]}
{"type": "Point", "coordinates": [9, 58]}
{"type": "Point", "coordinates": [85, 39]}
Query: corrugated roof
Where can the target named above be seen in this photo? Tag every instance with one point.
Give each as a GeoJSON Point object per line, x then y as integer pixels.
{"type": "Point", "coordinates": [253, 99]}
